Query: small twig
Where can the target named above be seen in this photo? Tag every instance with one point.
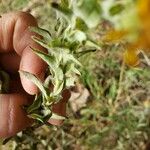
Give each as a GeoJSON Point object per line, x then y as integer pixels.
{"type": "Point", "coordinates": [120, 82]}
{"type": "Point", "coordinates": [146, 58]}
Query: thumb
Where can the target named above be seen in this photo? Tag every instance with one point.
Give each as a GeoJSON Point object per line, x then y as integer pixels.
{"type": "Point", "coordinates": [16, 37]}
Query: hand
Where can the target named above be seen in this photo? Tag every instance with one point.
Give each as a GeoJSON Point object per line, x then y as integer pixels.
{"type": "Point", "coordinates": [16, 54]}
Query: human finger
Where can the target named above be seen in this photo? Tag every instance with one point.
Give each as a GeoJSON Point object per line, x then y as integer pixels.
{"type": "Point", "coordinates": [13, 118]}
{"type": "Point", "coordinates": [15, 35]}
{"type": "Point", "coordinates": [60, 108]}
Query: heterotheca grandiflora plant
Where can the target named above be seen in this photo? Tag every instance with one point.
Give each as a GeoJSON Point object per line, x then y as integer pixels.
{"type": "Point", "coordinates": [64, 44]}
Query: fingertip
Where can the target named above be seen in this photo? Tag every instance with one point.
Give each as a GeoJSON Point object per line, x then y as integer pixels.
{"type": "Point", "coordinates": [60, 109]}
{"type": "Point", "coordinates": [56, 122]}
{"type": "Point", "coordinates": [31, 63]}
{"type": "Point", "coordinates": [28, 86]}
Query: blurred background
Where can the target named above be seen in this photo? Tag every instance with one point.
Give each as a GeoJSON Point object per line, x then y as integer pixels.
{"type": "Point", "coordinates": [109, 107]}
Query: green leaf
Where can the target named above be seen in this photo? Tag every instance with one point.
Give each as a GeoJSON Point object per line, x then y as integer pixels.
{"type": "Point", "coordinates": [116, 9]}
{"type": "Point", "coordinates": [42, 32]}
{"type": "Point", "coordinates": [58, 87]}
{"type": "Point", "coordinates": [36, 81]}
{"type": "Point", "coordinates": [35, 105]}
{"type": "Point", "coordinates": [67, 57]}
{"type": "Point", "coordinates": [47, 81]}
{"type": "Point", "coordinates": [70, 75]}
{"type": "Point", "coordinates": [58, 117]}
{"type": "Point", "coordinates": [43, 44]}
{"type": "Point", "coordinates": [57, 71]}
{"type": "Point", "coordinates": [78, 35]}
{"type": "Point", "coordinates": [70, 69]}
{"type": "Point", "coordinates": [65, 3]}
{"type": "Point", "coordinates": [58, 74]}
{"type": "Point", "coordinates": [75, 70]}
{"type": "Point", "coordinates": [93, 44]}
{"type": "Point", "coordinates": [4, 141]}
{"type": "Point", "coordinates": [47, 111]}
{"type": "Point", "coordinates": [36, 117]}
{"type": "Point", "coordinates": [113, 89]}
{"type": "Point", "coordinates": [46, 57]}
{"type": "Point", "coordinates": [81, 25]}
{"type": "Point", "coordinates": [64, 10]}
{"type": "Point", "coordinates": [72, 58]}
{"type": "Point", "coordinates": [89, 11]}
{"type": "Point", "coordinates": [43, 117]}
{"type": "Point", "coordinates": [51, 62]}
{"type": "Point", "coordinates": [83, 52]}
{"type": "Point", "coordinates": [70, 82]}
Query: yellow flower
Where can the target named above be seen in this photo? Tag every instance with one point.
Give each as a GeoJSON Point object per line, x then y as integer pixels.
{"type": "Point", "coordinates": [143, 40]}
{"type": "Point", "coordinates": [114, 36]}
{"type": "Point", "coordinates": [131, 56]}
{"type": "Point", "coordinates": [143, 8]}
{"type": "Point", "coordinates": [142, 32]}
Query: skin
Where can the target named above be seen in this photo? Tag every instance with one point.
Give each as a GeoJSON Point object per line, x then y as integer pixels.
{"type": "Point", "coordinates": [16, 54]}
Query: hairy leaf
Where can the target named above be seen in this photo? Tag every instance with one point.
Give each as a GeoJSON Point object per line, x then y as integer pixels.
{"type": "Point", "coordinates": [35, 80]}
{"type": "Point", "coordinates": [58, 117]}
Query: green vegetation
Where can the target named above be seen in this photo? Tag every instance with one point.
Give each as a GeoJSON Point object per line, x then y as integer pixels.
{"type": "Point", "coordinates": [116, 114]}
